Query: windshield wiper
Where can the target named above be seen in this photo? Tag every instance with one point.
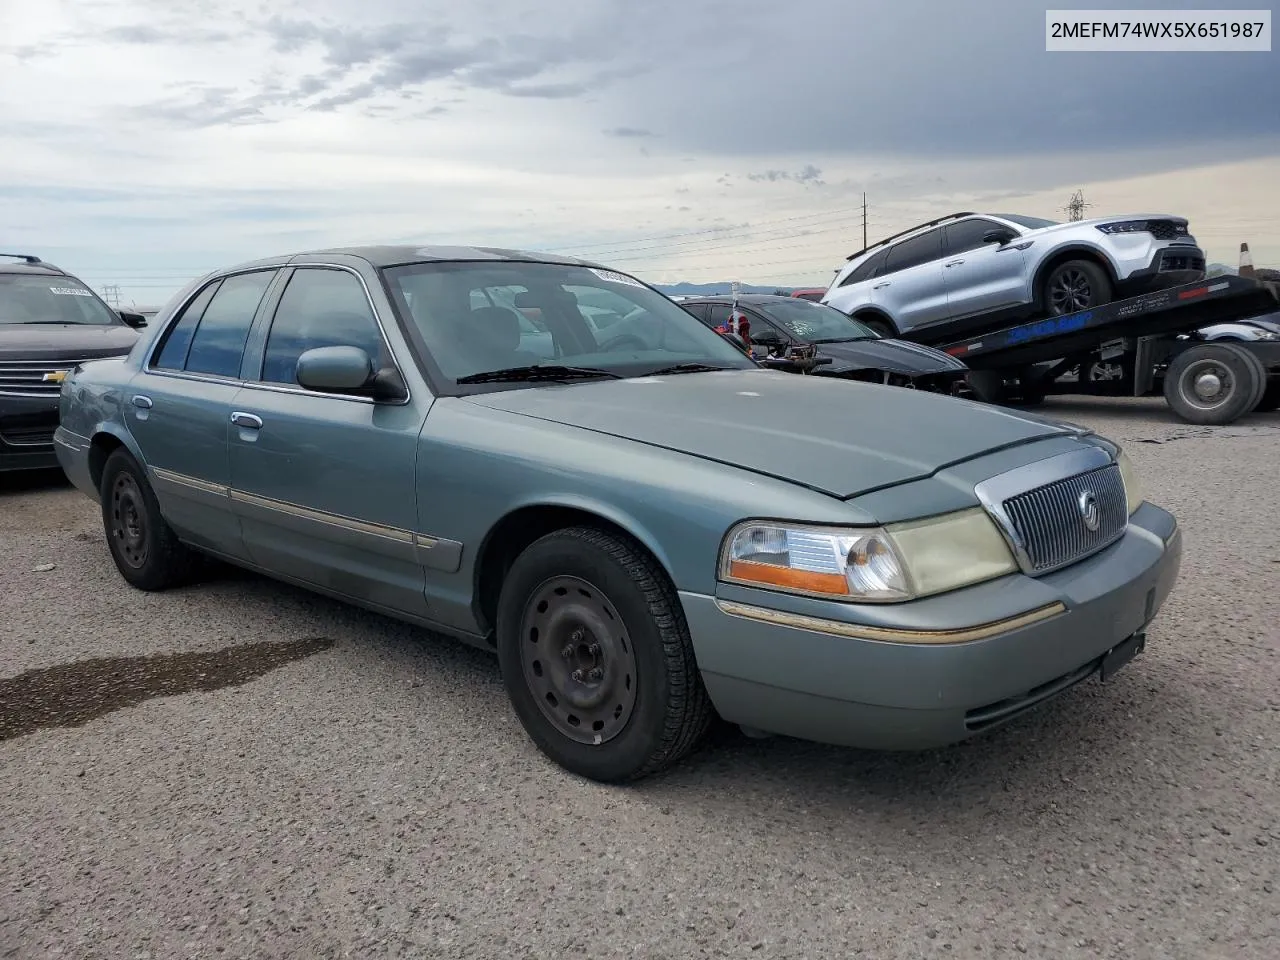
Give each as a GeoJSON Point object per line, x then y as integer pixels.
{"type": "Point", "coordinates": [691, 367]}
{"type": "Point", "coordinates": [535, 372]}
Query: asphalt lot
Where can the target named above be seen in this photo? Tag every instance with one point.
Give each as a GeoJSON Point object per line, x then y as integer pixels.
{"type": "Point", "coordinates": [308, 780]}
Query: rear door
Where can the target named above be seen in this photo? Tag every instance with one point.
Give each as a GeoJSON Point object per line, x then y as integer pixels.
{"type": "Point", "coordinates": [910, 287]}
{"type": "Point", "coordinates": [180, 404]}
{"type": "Point", "coordinates": [980, 276]}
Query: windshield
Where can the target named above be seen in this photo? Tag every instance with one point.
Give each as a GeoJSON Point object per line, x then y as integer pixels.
{"type": "Point", "coordinates": [32, 298]}
{"type": "Point", "coordinates": [1032, 223]}
{"type": "Point", "coordinates": [816, 321]}
{"type": "Point", "coordinates": [479, 317]}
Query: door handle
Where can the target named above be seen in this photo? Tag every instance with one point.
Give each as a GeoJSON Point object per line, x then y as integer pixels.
{"type": "Point", "coordinates": [880, 285]}
{"type": "Point", "coordinates": [247, 420]}
{"type": "Point", "coordinates": [138, 400]}
{"type": "Point", "coordinates": [954, 263]}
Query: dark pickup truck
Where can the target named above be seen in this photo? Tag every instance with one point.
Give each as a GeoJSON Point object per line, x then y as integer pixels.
{"type": "Point", "coordinates": [49, 322]}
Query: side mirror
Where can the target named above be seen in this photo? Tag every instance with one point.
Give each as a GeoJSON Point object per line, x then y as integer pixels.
{"type": "Point", "coordinates": [349, 370]}
{"type": "Point", "coordinates": [998, 236]}
{"type": "Point", "coordinates": [134, 320]}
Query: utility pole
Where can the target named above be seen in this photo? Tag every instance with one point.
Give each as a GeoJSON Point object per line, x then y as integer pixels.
{"type": "Point", "coordinates": [1076, 206]}
{"type": "Point", "coordinates": [864, 221]}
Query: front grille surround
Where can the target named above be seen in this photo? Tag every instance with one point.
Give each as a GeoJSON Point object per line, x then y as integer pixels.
{"type": "Point", "coordinates": [1038, 508]}
{"type": "Point", "coordinates": [25, 378]}
{"type": "Point", "coordinates": [1166, 229]}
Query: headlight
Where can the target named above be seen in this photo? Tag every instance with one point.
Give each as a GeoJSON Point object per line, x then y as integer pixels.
{"type": "Point", "coordinates": [1132, 485]}
{"type": "Point", "coordinates": [1124, 226]}
{"type": "Point", "coordinates": [897, 562]}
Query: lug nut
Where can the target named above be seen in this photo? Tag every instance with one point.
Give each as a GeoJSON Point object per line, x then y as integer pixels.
{"type": "Point", "coordinates": [577, 676]}
{"type": "Point", "coordinates": [594, 649]}
{"type": "Point", "coordinates": [577, 635]}
{"type": "Point", "coordinates": [567, 652]}
{"type": "Point", "coordinates": [596, 675]}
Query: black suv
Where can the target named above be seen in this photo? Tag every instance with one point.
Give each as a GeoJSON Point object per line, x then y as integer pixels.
{"type": "Point", "coordinates": [49, 322]}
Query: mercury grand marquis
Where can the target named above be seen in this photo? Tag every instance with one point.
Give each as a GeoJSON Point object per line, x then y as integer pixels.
{"type": "Point", "coordinates": [551, 460]}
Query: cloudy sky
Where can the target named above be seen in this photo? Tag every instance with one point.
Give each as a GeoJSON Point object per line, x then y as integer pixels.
{"type": "Point", "coordinates": [146, 141]}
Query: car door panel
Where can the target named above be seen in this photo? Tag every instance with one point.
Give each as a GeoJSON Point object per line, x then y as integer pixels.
{"type": "Point", "coordinates": [179, 408]}
{"type": "Point", "coordinates": [981, 277]}
{"type": "Point", "coordinates": [324, 484]}
{"type": "Point", "coordinates": [910, 287]}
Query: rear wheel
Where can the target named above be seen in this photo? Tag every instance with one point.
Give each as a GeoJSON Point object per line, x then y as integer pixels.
{"type": "Point", "coordinates": [1074, 286]}
{"type": "Point", "coordinates": [1212, 383]}
{"type": "Point", "coordinates": [596, 657]}
{"type": "Point", "coordinates": [144, 547]}
{"type": "Point", "coordinates": [882, 327]}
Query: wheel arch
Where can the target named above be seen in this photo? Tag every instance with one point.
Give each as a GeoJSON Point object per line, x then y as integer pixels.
{"type": "Point", "coordinates": [106, 439]}
{"type": "Point", "coordinates": [1059, 256]}
{"type": "Point", "coordinates": [527, 522]}
{"type": "Point", "coordinates": [863, 314]}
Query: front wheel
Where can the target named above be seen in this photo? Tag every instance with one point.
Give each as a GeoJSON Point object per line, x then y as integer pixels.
{"type": "Point", "coordinates": [597, 659]}
{"type": "Point", "coordinates": [1074, 286]}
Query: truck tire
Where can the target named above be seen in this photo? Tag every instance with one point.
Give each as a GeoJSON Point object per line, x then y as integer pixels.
{"type": "Point", "coordinates": [1259, 371]}
{"type": "Point", "coordinates": [1211, 383]}
{"type": "Point", "coordinates": [596, 656]}
{"type": "Point", "coordinates": [1074, 286]}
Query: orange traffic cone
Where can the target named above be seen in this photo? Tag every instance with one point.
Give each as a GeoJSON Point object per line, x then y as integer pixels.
{"type": "Point", "coordinates": [1246, 261]}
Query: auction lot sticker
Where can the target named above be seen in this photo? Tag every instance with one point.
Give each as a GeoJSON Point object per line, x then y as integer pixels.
{"type": "Point", "coordinates": [70, 291]}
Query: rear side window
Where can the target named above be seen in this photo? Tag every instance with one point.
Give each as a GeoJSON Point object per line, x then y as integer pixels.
{"type": "Point", "coordinates": [913, 252]}
{"type": "Point", "coordinates": [867, 269]}
{"type": "Point", "coordinates": [319, 308]}
{"type": "Point", "coordinates": [218, 345]}
{"type": "Point", "coordinates": [173, 352]}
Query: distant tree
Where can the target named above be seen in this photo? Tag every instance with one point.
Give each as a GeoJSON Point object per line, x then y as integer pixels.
{"type": "Point", "coordinates": [779, 292]}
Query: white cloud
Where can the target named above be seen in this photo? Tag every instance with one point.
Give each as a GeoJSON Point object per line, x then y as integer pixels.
{"type": "Point", "coordinates": [697, 141]}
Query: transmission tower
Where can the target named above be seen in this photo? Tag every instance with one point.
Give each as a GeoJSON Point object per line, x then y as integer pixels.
{"type": "Point", "coordinates": [1076, 206]}
{"type": "Point", "coordinates": [111, 294]}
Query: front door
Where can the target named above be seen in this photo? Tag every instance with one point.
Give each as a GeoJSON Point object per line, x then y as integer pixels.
{"type": "Point", "coordinates": [180, 407]}
{"type": "Point", "coordinates": [324, 484]}
{"type": "Point", "coordinates": [981, 277]}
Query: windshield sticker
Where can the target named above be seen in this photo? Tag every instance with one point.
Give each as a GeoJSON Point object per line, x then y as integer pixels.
{"type": "Point", "coordinates": [616, 277]}
{"type": "Point", "coordinates": [70, 291]}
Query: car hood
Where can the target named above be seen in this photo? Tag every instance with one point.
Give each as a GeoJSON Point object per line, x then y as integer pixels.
{"type": "Point", "coordinates": [64, 341]}
{"type": "Point", "coordinates": [1096, 221]}
{"type": "Point", "coordinates": [839, 437]}
{"type": "Point", "coordinates": [896, 356]}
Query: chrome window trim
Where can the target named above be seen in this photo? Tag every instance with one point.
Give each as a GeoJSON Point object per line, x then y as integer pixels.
{"type": "Point", "coordinates": [148, 363]}
{"type": "Point", "coordinates": [382, 332]}
{"type": "Point", "coordinates": [994, 491]}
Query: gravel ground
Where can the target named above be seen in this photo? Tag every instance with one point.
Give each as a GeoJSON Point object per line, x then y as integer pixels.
{"type": "Point", "coordinates": [344, 786]}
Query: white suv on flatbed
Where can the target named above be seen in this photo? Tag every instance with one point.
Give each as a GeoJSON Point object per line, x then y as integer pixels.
{"type": "Point", "coordinates": [969, 272]}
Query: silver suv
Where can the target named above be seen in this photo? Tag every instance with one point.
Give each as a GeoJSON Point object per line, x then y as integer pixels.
{"type": "Point", "coordinates": [968, 272]}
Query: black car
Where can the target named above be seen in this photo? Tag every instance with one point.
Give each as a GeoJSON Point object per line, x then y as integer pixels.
{"type": "Point", "coordinates": [779, 327]}
{"type": "Point", "coordinates": [49, 322]}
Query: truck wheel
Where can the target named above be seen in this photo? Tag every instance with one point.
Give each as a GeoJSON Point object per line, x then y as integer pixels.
{"type": "Point", "coordinates": [1075, 285]}
{"type": "Point", "coordinates": [144, 547]}
{"type": "Point", "coordinates": [1259, 371]}
{"type": "Point", "coordinates": [597, 659]}
{"type": "Point", "coordinates": [1211, 383]}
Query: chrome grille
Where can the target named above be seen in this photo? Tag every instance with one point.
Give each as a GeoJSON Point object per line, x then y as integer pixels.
{"type": "Point", "coordinates": [26, 377]}
{"type": "Point", "coordinates": [1049, 520]}
{"type": "Point", "coordinates": [1166, 229]}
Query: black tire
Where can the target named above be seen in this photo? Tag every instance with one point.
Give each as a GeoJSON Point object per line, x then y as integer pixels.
{"type": "Point", "coordinates": [988, 386]}
{"type": "Point", "coordinates": [882, 327]}
{"type": "Point", "coordinates": [1270, 401]}
{"type": "Point", "coordinates": [1074, 286]}
{"type": "Point", "coordinates": [648, 707]}
{"type": "Point", "coordinates": [1259, 372]}
{"type": "Point", "coordinates": [1236, 384]}
{"type": "Point", "coordinates": [144, 547]}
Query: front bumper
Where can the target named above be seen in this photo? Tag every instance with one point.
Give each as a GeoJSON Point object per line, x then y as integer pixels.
{"type": "Point", "coordinates": [26, 433]}
{"type": "Point", "coordinates": [816, 682]}
{"type": "Point", "coordinates": [1169, 266]}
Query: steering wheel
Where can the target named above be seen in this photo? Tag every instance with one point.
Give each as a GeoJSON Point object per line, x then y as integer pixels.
{"type": "Point", "coordinates": [634, 342]}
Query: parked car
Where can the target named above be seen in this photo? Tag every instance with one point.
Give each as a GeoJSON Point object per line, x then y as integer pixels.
{"type": "Point", "coordinates": [851, 350]}
{"type": "Point", "coordinates": [968, 272]}
{"type": "Point", "coordinates": [809, 293]}
{"type": "Point", "coordinates": [1265, 327]}
{"type": "Point", "coordinates": [49, 321]}
{"type": "Point", "coordinates": [646, 534]}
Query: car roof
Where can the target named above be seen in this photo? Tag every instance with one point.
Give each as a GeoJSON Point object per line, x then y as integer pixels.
{"type": "Point", "coordinates": [28, 263]}
{"type": "Point", "coordinates": [390, 255]}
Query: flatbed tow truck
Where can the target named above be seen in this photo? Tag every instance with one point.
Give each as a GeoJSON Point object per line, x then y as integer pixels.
{"type": "Point", "coordinates": [1137, 347]}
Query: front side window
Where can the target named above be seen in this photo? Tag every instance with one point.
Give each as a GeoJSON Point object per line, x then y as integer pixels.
{"type": "Point", "coordinates": [557, 314]}
{"type": "Point", "coordinates": [218, 345]}
{"type": "Point", "coordinates": [319, 308]}
{"type": "Point", "coordinates": [51, 299]}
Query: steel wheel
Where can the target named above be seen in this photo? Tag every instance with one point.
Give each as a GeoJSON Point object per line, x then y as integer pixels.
{"type": "Point", "coordinates": [128, 524]}
{"type": "Point", "coordinates": [577, 660]}
{"type": "Point", "coordinates": [1206, 384]}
